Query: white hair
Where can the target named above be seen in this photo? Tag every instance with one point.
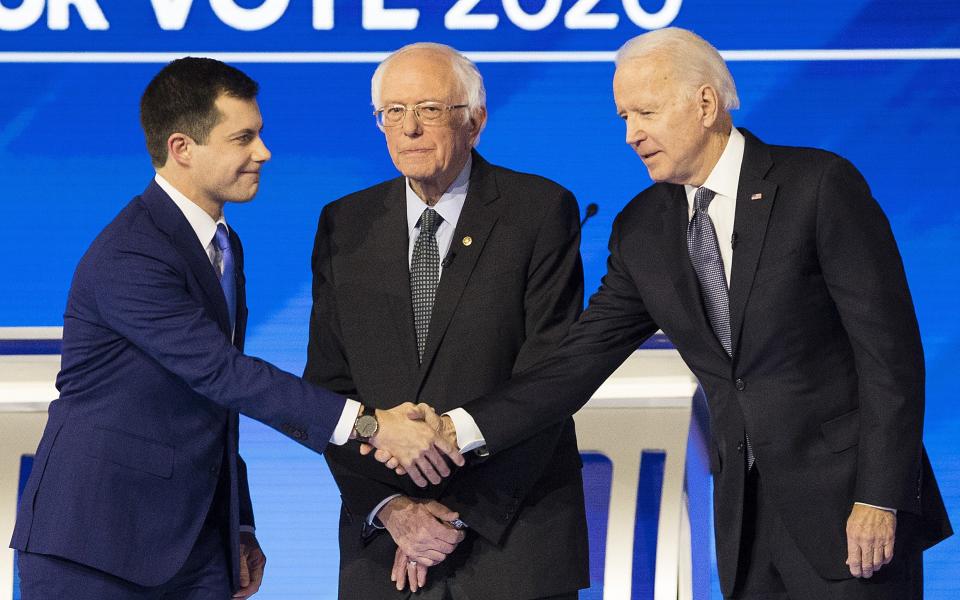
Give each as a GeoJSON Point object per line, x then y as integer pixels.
{"type": "Point", "coordinates": [696, 61]}
{"type": "Point", "coordinates": [466, 72]}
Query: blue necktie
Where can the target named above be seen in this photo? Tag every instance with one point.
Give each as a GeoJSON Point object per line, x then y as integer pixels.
{"type": "Point", "coordinates": [228, 280]}
{"type": "Point", "coordinates": [707, 262]}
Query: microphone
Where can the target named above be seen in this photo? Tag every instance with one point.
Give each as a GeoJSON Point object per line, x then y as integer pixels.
{"type": "Point", "coordinates": [733, 241]}
{"type": "Point", "coordinates": [448, 259]}
{"type": "Point", "coordinates": [592, 209]}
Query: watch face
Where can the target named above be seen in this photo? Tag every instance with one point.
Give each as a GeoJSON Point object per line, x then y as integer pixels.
{"type": "Point", "coordinates": [367, 426]}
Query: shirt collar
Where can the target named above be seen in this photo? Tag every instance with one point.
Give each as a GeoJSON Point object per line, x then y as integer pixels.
{"type": "Point", "coordinates": [203, 224]}
{"type": "Point", "coordinates": [724, 179]}
{"type": "Point", "coordinates": [450, 204]}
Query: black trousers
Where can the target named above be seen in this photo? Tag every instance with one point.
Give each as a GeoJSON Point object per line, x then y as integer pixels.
{"type": "Point", "coordinates": [771, 567]}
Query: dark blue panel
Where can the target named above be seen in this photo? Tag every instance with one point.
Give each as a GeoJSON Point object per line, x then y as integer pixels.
{"type": "Point", "coordinates": [649, 492]}
{"type": "Point", "coordinates": [33, 347]}
{"type": "Point", "coordinates": [597, 476]}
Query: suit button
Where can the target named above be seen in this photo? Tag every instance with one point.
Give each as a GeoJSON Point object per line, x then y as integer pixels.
{"type": "Point", "coordinates": [740, 384]}
{"type": "Point", "coordinates": [506, 516]}
{"type": "Point", "coordinates": [740, 447]}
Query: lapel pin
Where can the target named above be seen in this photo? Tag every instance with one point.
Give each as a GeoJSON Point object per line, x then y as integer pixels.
{"type": "Point", "coordinates": [756, 197]}
{"type": "Point", "coordinates": [467, 240]}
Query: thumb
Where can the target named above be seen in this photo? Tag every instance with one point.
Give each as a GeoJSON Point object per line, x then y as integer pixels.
{"type": "Point", "coordinates": [244, 570]}
{"type": "Point", "coordinates": [440, 511]}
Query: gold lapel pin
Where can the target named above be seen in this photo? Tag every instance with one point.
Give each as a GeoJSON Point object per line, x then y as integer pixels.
{"type": "Point", "coordinates": [756, 197]}
{"type": "Point", "coordinates": [467, 240]}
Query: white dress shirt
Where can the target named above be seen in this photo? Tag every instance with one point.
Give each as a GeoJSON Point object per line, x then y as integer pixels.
{"type": "Point", "coordinates": [206, 229]}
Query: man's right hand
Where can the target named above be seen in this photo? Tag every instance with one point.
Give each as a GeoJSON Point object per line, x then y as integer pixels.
{"type": "Point", "coordinates": [404, 434]}
{"type": "Point", "coordinates": [421, 529]}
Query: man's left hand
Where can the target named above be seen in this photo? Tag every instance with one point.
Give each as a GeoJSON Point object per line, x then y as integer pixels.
{"type": "Point", "coordinates": [252, 562]}
{"type": "Point", "coordinates": [407, 571]}
{"type": "Point", "coordinates": [870, 537]}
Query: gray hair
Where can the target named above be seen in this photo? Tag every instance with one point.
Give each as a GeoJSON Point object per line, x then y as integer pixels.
{"type": "Point", "coordinates": [697, 62]}
{"type": "Point", "coordinates": [464, 70]}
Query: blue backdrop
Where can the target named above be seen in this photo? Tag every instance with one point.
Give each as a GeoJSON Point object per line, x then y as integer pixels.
{"type": "Point", "coordinates": [72, 154]}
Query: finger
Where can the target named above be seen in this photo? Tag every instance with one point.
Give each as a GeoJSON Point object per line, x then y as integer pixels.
{"type": "Point", "coordinates": [365, 449]}
{"type": "Point", "coordinates": [450, 451]}
{"type": "Point", "coordinates": [888, 552]}
{"type": "Point", "coordinates": [421, 575]}
{"type": "Point", "coordinates": [414, 473]}
{"type": "Point", "coordinates": [393, 463]}
{"type": "Point", "coordinates": [440, 511]}
{"type": "Point", "coordinates": [878, 557]}
{"type": "Point", "coordinates": [398, 559]}
{"type": "Point", "coordinates": [383, 456]}
{"type": "Point", "coordinates": [853, 559]}
{"type": "Point", "coordinates": [244, 571]}
{"type": "Point", "coordinates": [412, 575]}
{"type": "Point", "coordinates": [401, 471]}
{"type": "Point", "coordinates": [438, 462]}
{"type": "Point", "coordinates": [426, 467]}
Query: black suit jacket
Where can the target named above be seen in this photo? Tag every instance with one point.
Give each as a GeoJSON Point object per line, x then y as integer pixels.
{"type": "Point", "coordinates": [503, 302]}
{"type": "Point", "coordinates": [827, 374]}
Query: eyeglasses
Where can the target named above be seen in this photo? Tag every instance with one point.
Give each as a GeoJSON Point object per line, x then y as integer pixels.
{"type": "Point", "coordinates": [428, 113]}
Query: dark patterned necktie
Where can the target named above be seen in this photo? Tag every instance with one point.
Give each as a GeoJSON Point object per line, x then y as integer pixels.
{"type": "Point", "coordinates": [707, 262]}
{"type": "Point", "coordinates": [228, 279]}
{"type": "Point", "coordinates": [424, 275]}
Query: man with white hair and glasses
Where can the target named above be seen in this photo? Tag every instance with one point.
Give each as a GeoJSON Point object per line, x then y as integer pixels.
{"type": "Point", "coordinates": [775, 274]}
{"type": "Point", "coordinates": [439, 285]}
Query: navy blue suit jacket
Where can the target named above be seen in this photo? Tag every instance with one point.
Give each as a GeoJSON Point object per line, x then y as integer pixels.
{"type": "Point", "coordinates": [150, 391]}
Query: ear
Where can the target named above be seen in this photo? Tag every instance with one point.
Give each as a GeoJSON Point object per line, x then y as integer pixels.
{"type": "Point", "coordinates": [180, 149]}
{"type": "Point", "coordinates": [708, 105]}
{"type": "Point", "coordinates": [478, 120]}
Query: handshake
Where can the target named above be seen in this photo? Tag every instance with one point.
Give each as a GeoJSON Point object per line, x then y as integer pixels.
{"type": "Point", "coordinates": [412, 439]}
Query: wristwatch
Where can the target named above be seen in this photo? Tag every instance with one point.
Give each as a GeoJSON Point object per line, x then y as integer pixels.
{"type": "Point", "coordinates": [367, 424]}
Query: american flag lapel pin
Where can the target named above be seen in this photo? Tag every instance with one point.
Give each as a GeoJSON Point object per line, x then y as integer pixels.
{"type": "Point", "coordinates": [757, 197]}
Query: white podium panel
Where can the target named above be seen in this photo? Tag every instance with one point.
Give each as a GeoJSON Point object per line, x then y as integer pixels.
{"type": "Point", "coordinates": [645, 406]}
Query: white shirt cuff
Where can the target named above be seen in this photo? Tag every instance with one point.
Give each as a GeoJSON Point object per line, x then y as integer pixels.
{"type": "Point", "coordinates": [351, 410]}
{"type": "Point", "coordinates": [893, 510]}
{"type": "Point", "coordinates": [247, 529]}
{"type": "Point", "coordinates": [468, 434]}
{"type": "Point", "coordinates": [376, 510]}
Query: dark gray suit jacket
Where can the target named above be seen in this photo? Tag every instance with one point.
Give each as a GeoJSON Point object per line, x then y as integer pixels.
{"type": "Point", "coordinates": [827, 374]}
{"type": "Point", "coordinates": [503, 303]}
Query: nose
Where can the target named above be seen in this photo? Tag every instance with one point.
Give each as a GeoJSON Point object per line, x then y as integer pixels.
{"type": "Point", "coordinates": [261, 153]}
{"type": "Point", "coordinates": [635, 132]}
{"type": "Point", "coordinates": [410, 124]}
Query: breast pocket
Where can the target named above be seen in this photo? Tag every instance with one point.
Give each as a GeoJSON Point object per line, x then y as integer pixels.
{"type": "Point", "coordinates": [131, 451]}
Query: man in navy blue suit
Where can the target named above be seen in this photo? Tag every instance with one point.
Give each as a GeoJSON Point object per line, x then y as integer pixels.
{"type": "Point", "coordinates": [138, 490]}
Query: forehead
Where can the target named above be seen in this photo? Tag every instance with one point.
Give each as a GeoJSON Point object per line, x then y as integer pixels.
{"type": "Point", "coordinates": [419, 75]}
{"type": "Point", "coordinates": [238, 113]}
{"type": "Point", "coordinates": [648, 79]}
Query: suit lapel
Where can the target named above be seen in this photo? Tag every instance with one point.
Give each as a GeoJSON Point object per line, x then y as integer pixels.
{"type": "Point", "coordinates": [171, 221]}
{"type": "Point", "coordinates": [480, 213]}
{"type": "Point", "coordinates": [755, 197]}
{"type": "Point", "coordinates": [677, 261]}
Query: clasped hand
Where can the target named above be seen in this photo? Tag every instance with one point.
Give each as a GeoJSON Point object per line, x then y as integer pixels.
{"type": "Point", "coordinates": [424, 537]}
{"type": "Point", "coordinates": [412, 440]}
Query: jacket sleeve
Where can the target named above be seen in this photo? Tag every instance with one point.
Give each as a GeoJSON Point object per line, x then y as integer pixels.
{"type": "Point", "coordinates": [552, 300]}
{"type": "Point", "coordinates": [613, 325]}
{"type": "Point", "coordinates": [864, 274]}
{"type": "Point", "coordinates": [141, 294]}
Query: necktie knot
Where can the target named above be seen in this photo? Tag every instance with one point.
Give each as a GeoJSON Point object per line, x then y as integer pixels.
{"type": "Point", "coordinates": [702, 199]}
{"type": "Point", "coordinates": [429, 221]}
{"type": "Point", "coordinates": [222, 238]}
